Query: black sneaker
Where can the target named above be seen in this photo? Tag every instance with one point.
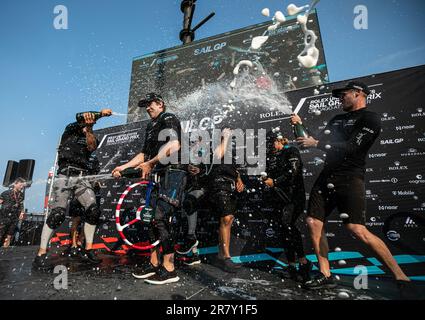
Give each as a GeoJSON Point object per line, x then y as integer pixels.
{"type": "Point", "coordinates": [145, 272]}
{"type": "Point", "coordinates": [41, 263]}
{"type": "Point", "coordinates": [72, 252]}
{"type": "Point", "coordinates": [67, 251]}
{"type": "Point", "coordinates": [192, 260]}
{"type": "Point", "coordinates": [229, 266]}
{"type": "Point", "coordinates": [407, 290]}
{"type": "Point", "coordinates": [163, 276]}
{"type": "Point", "coordinates": [75, 251]}
{"type": "Point", "coordinates": [291, 272]}
{"type": "Point", "coordinates": [304, 271]}
{"type": "Point", "coordinates": [187, 246]}
{"type": "Point", "coordinates": [89, 256]}
{"type": "Point", "coordinates": [321, 282]}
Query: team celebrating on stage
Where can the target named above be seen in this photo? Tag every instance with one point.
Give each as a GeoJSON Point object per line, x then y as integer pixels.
{"type": "Point", "coordinates": [346, 141]}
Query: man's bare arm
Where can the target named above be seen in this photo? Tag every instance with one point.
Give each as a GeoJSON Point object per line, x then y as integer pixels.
{"type": "Point", "coordinates": [168, 149]}
{"type": "Point", "coordinates": [137, 160]}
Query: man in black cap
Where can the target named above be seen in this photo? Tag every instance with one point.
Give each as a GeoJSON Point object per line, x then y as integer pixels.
{"type": "Point", "coordinates": [346, 140]}
{"type": "Point", "coordinates": [156, 153]}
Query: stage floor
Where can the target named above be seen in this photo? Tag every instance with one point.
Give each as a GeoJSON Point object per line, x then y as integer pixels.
{"type": "Point", "coordinates": [112, 280]}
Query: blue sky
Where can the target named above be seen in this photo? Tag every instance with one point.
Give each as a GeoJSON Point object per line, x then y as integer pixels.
{"type": "Point", "coordinates": [47, 75]}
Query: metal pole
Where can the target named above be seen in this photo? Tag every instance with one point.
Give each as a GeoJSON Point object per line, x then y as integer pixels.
{"type": "Point", "coordinates": [188, 9]}
{"type": "Point", "coordinates": [52, 182]}
{"type": "Point", "coordinates": [187, 34]}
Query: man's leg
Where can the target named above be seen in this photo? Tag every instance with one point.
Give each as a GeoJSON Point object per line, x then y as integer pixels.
{"type": "Point", "coordinates": [224, 236]}
{"type": "Point", "coordinates": [54, 221]}
{"type": "Point", "coordinates": [74, 233]}
{"type": "Point", "coordinates": [164, 273]}
{"type": "Point", "coordinates": [190, 242]}
{"type": "Point", "coordinates": [155, 261]}
{"type": "Point", "coordinates": [87, 198]}
{"type": "Point", "coordinates": [305, 266]}
{"type": "Point", "coordinates": [171, 188]}
{"type": "Point", "coordinates": [167, 241]}
{"type": "Point", "coordinates": [81, 240]}
{"type": "Point", "coordinates": [8, 229]}
{"type": "Point", "coordinates": [289, 244]}
{"type": "Point", "coordinates": [289, 231]}
{"type": "Point", "coordinates": [2, 232]}
{"type": "Point", "coordinates": [377, 245]}
{"type": "Point", "coordinates": [168, 262]}
{"type": "Point", "coordinates": [61, 193]}
{"type": "Point", "coordinates": [298, 210]}
{"type": "Point", "coordinates": [89, 230]}
{"type": "Point", "coordinates": [190, 205]}
{"type": "Point", "coordinates": [192, 220]}
{"type": "Point", "coordinates": [146, 271]}
{"type": "Point", "coordinates": [320, 244]}
{"type": "Point", "coordinates": [7, 241]}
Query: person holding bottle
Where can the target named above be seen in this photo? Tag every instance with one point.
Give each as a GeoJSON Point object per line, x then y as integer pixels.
{"type": "Point", "coordinates": [76, 146]}
{"type": "Point", "coordinates": [285, 192]}
{"type": "Point", "coordinates": [346, 140]}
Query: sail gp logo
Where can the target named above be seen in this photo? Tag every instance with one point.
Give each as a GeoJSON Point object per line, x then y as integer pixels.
{"type": "Point", "coordinates": [119, 138]}
{"type": "Point", "coordinates": [324, 104]}
{"type": "Point", "coordinates": [245, 148]}
{"type": "Point", "coordinates": [209, 49]}
{"type": "Point", "coordinates": [392, 141]}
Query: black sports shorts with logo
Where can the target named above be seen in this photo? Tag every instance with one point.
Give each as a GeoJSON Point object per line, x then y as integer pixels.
{"type": "Point", "coordinates": [222, 197]}
{"type": "Point", "coordinates": [343, 192]}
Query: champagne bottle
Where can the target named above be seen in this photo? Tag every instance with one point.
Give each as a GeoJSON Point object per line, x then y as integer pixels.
{"type": "Point", "coordinates": [131, 173]}
{"type": "Point", "coordinates": [299, 130]}
{"type": "Point", "coordinates": [80, 116]}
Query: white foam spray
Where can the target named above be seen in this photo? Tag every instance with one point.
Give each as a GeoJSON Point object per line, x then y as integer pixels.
{"type": "Point", "coordinates": [293, 9]}
{"type": "Point", "coordinates": [310, 54]}
{"type": "Point", "coordinates": [265, 12]}
{"type": "Point", "coordinates": [258, 41]}
{"type": "Point", "coordinates": [243, 96]}
{"type": "Point", "coordinates": [279, 17]}
{"type": "Point", "coordinates": [119, 114]}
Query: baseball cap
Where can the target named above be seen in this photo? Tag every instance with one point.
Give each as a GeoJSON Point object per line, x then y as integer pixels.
{"type": "Point", "coordinates": [149, 97]}
{"type": "Point", "coordinates": [352, 85]}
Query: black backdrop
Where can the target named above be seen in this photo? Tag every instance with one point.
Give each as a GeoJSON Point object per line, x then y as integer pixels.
{"type": "Point", "coordinates": [394, 181]}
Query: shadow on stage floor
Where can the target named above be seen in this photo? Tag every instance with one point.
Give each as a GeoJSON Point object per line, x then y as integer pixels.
{"type": "Point", "coordinates": [112, 280]}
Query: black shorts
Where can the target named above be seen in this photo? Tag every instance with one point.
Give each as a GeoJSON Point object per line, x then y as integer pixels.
{"type": "Point", "coordinates": [171, 187]}
{"type": "Point", "coordinates": [76, 209]}
{"type": "Point", "coordinates": [345, 193]}
{"type": "Point", "coordinates": [222, 198]}
{"type": "Point", "coordinates": [8, 227]}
